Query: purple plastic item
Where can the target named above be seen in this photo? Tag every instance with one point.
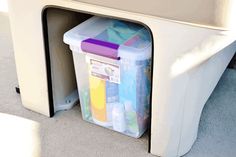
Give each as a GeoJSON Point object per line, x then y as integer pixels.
{"type": "Point", "coordinates": [102, 48]}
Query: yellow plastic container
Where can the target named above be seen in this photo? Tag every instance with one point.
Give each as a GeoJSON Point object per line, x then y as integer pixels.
{"type": "Point", "coordinates": [98, 99]}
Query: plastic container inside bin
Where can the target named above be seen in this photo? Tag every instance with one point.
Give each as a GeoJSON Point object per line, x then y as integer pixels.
{"type": "Point", "coordinates": [113, 68]}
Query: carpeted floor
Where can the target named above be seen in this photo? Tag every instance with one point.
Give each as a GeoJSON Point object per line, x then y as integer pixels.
{"type": "Point", "coordinates": [23, 132]}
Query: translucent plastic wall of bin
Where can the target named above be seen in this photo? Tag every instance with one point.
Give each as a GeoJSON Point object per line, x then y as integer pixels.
{"type": "Point", "coordinates": [113, 67]}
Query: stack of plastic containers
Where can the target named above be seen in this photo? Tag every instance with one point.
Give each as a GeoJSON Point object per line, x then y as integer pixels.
{"type": "Point", "coordinates": [113, 68]}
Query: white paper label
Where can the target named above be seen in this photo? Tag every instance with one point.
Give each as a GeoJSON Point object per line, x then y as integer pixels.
{"type": "Point", "coordinates": [105, 71]}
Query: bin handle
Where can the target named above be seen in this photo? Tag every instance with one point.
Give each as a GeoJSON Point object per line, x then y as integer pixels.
{"type": "Point", "coordinates": [101, 48]}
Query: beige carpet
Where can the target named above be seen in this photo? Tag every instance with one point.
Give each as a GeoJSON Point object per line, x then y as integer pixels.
{"type": "Point", "coordinates": [28, 134]}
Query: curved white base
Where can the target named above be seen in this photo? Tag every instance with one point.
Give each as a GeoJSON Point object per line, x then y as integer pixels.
{"type": "Point", "coordinates": [105, 124]}
{"type": "Point", "coordinates": [70, 101]}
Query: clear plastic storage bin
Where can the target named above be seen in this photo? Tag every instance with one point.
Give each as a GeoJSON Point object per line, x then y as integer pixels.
{"type": "Point", "coordinates": [112, 61]}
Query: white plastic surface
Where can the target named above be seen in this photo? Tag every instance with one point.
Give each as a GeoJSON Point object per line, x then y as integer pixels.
{"type": "Point", "coordinates": [96, 25]}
